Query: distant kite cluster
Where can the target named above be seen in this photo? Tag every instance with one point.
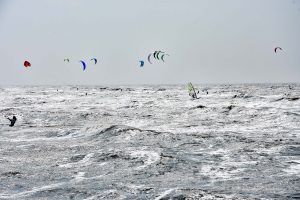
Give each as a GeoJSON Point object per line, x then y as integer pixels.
{"type": "Point", "coordinates": [83, 62]}
{"type": "Point", "coordinates": [157, 55]}
{"type": "Point", "coordinates": [94, 60]}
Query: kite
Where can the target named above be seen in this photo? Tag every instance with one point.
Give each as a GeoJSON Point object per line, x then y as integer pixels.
{"type": "Point", "coordinates": [142, 63]}
{"type": "Point", "coordinates": [95, 60]}
{"type": "Point", "coordinates": [149, 58]}
{"type": "Point", "coordinates": [158, 55]}
{"type": "Point", "coordinates": [155, 54]}
{"type": "Point", "coordinates": [27, 64]}
{"type": "Point", "coordinates": [277, 48]}
{"type": "Point", "coordinates": [162, 57]}
{"type": "Point", "coordinates": [83, 64]}
{"type": "Point", "coordinates": [66, 59]}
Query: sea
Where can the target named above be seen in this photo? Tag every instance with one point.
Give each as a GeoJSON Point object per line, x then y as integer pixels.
{"type": "Point", "coordinates": [235, 141]}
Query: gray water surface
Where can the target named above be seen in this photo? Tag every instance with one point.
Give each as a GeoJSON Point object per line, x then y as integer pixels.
{"type": "Point", "coordinates": [150, 142]}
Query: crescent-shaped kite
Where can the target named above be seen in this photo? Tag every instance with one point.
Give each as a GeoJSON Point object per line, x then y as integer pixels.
{"type": "Point", "coordinates": [277, 48]}
{"type": "Point", "coordinates": [95, 60]}
{"type": "Point", "coordinates": [149, 56]}
{"type": "Point", "coordinates": [83, 64]}
{"type": "Point", "coordinates": [162, 57]}
{"type": "Point", "coordinates": [157, 55]}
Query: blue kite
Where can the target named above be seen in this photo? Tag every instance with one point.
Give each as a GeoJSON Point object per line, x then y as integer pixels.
{"type": "Point", "coordinates": [83, 64]}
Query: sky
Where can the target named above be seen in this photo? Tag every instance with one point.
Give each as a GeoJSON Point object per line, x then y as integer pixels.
{"type": "Point", "coordinates": [208, 41]}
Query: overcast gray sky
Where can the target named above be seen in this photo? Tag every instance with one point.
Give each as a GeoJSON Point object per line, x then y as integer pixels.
{"type": "Point", "coordinates": [209, 41]}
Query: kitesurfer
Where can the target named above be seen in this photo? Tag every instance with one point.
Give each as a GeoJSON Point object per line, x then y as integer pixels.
{"type": "Point", "coordinates": [12, 121]}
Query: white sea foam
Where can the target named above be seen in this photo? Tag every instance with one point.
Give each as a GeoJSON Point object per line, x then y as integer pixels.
{"type": "Point", "coordinates": [148, 142]}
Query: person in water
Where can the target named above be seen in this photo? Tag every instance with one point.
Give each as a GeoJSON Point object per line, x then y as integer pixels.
{"type": "Point", "coordinates": [12, 121]}
{"type": "Point", "coordinates": [194, 95]}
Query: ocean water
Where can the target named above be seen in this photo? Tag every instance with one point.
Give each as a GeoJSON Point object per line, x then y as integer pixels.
{"type": "Point", "coordinates": [150, 142]}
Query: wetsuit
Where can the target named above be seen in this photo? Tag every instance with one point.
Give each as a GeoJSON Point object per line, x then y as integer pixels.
{"type": "Point", "coordinates": [12, 121]}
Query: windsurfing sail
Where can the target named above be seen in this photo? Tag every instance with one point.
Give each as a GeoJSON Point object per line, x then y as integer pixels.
{"type": "Point", "coordinates": [191, 90]}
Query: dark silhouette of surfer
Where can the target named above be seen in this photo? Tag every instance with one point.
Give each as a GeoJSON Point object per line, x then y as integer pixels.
{"type": "Point", "coordinates": [12, 121]}
{"type": "Point", "coordinates": [194, 95]}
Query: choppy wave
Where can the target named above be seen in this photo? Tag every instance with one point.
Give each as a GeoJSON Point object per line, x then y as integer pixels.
{"type": "Point", "coordinates": [150, 142]}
